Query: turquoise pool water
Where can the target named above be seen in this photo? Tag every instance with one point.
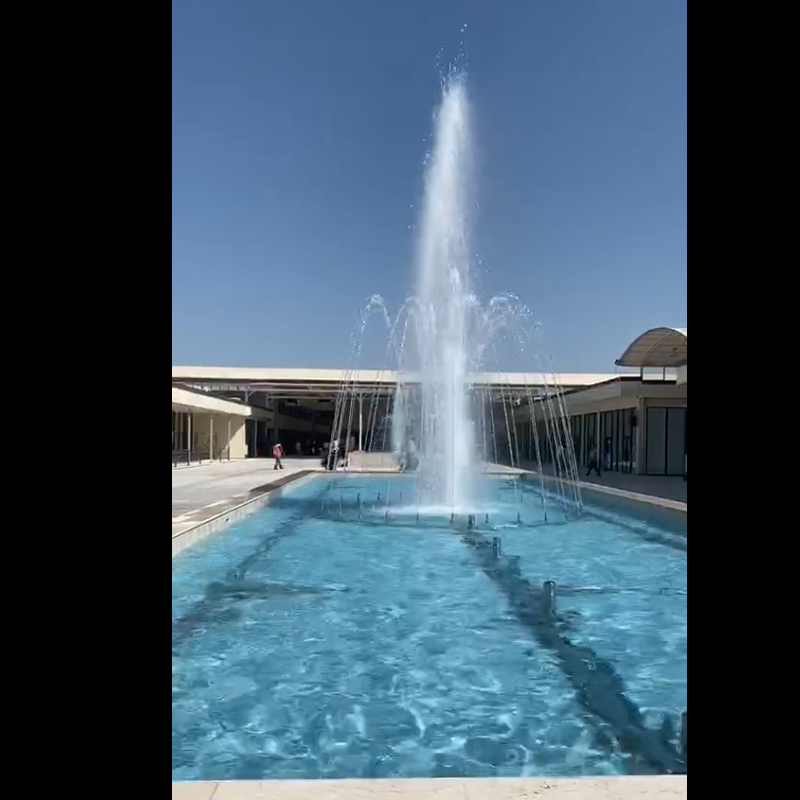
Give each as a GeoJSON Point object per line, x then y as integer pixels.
{"type": "Point", "coordinates": [334, 634]}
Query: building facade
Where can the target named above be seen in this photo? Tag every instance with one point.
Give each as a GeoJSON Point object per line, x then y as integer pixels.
{"type": "Point", "coordinates": [637, 422]}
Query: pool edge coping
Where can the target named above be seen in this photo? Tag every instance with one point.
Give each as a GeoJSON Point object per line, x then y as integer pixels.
{"type": "Point", "coordinates": [183, 540]}
{"type": "Point", "coordinates": [677, 506]}
{"type": "Point", "coordinates": [664, 787]}
{"type": "Point", "coordinates": [637, 497]}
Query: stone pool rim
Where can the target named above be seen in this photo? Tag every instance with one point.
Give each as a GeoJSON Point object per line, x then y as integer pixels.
{"type": "Point", "coordinates": [668, 510]}
{"type": "Point", "coordinates": [664, 787]}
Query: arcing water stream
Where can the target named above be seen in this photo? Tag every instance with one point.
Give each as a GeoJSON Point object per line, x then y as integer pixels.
{"type": "Point", "coordinates": [437, 420]}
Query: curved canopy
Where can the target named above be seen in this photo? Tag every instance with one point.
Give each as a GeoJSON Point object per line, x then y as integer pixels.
{"type": "Point", "coordinates": [658, 347]}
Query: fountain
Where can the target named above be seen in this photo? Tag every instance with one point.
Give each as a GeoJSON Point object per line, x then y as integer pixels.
{"type": "Point", "coordinates": [446, 435]}
{"type": "Point", "coordinates": [438, 423]}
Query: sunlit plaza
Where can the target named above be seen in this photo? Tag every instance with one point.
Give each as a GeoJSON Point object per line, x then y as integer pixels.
{"type": "Point", "coordinates": [442, 566]}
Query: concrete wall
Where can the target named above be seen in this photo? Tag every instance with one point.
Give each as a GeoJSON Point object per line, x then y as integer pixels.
{"type": "Point", "coordinates": [231, 431]}
{"type": "Point", "coordinates": [228, 427]}
{"type": "Point", "coordinates": [664, 402]}
{"type": "Point", "coordinates": [237, 441]}
{"type": "Point", "coordinates": [226, 431]}
{"type": "Point", "coordinates": [618, 395]}
{"type": "Point", "coordinates": [185, 400]}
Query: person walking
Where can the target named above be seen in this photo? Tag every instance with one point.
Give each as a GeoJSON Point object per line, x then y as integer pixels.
{"type": "Point", "coordinates": [277, 454]}
{"type": "Point", "coordinates": [594, 464]}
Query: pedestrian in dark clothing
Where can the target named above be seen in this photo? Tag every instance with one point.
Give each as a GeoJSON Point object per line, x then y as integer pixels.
{"type": "Point", "coordinates": [594, 465]}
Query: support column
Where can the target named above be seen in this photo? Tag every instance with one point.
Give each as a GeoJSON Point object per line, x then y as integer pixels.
{"type": "Point", "coordinates": [360, 422]}
{"type": "Point", "coordinates": [211, 437]}
{"type": "Point", "coordinates": [189, 431]}
{"type": "Point", "coordinates": [229, 438]}
{"type": "Point", "coordinates": [255, 437]}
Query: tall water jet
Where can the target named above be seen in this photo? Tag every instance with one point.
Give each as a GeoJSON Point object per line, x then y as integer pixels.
{"type": "Point", "coordinates": [446, 447]}
{"type": "Point", "coordinates": [438, 340]}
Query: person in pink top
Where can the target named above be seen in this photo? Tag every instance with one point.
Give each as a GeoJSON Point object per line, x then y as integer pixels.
{"type": "Point", "coordinates": [277, 454]}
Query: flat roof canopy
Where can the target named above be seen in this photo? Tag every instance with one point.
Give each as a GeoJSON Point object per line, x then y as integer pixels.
{"type": "Point", "coordinates": [190, 401]}
{"type": "Point", "coordinates": [658, 347]}
{"type": "Point", "coordinates": [317, 382]}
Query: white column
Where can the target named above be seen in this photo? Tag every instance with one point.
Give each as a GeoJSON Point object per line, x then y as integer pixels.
{"type": "Point", "coordinates": [229, 438]}
{"type": "Point", "coordinates": [360, 422]}
{"type": "Point", "coordinates": [211, 437]}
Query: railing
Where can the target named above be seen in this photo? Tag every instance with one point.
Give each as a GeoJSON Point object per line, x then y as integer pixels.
{"type": "Point", "coordinates": [180, 456]}
{"type": "Point", "coordinates": [200, 452]}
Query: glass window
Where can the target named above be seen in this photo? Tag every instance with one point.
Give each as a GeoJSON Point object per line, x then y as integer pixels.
{"type": "Point", "coordinates": [605, 439]}
{"type": "Point", "coordinates": [591, 433]}
{"type": "Point", "coordinates": [656, 434]}
{"type": "Point", "coordinates": [676, 440]}
{"type": "Point", "coordinates": [627, 440]}
{"type": "Point", "coordinates": [665, 441]}
{"type": "Point", "coordinates": [575, 425]}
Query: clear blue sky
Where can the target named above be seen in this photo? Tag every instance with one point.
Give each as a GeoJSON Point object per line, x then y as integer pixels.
{"type": "Point", "coordinates": [298, 134]}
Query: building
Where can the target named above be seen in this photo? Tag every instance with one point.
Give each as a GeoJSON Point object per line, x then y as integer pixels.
{"type": "Point", "coordinates": [298, 405]}
{"type": "Point", "coordinates": [205, 426]}
{"type": "Point", "coordinates": [638, 421]}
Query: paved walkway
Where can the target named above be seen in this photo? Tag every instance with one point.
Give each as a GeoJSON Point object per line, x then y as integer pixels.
{"type": "Point", "coordinates": [633, 788]}
{"type": "Point", "coordinates": [665, 488]}
{"type": "Point", "coordinates": [203, 491]}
